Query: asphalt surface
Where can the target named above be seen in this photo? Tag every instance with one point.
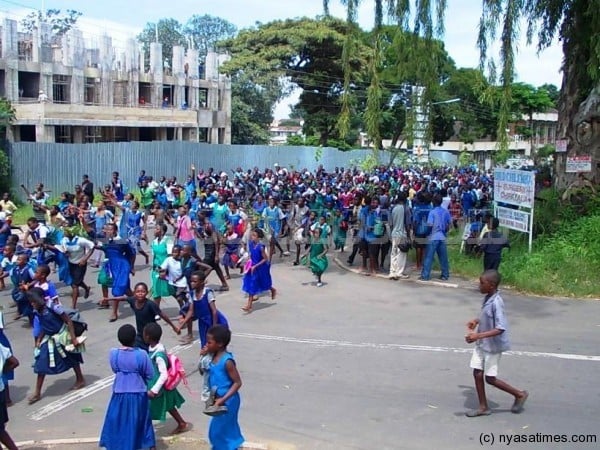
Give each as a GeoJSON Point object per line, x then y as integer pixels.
{"type": "Point", "coordinates": [360, 363]}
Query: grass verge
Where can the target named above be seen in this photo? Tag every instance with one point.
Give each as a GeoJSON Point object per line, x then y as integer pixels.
{"type": "Point", "coordinates": [566, 264]}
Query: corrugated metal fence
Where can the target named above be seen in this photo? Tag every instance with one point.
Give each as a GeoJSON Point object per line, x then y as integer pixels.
{"type": "Point", "coordinates": [60, 166]}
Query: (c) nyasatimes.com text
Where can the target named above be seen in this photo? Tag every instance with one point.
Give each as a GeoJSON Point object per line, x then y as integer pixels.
{"type": "Point", "coordinates": [490, 439]}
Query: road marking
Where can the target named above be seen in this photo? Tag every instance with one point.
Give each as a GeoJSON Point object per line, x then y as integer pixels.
{"type": "Point", "coordinates": [75, 396]}
{"type": "Point", "coordinates": [99, 385]}
{"type": "Point", "coordinates": [420, 348]}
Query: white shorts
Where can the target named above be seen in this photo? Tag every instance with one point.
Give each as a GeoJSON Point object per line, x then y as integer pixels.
{"type": "Point", "coordinates": [488, 362]}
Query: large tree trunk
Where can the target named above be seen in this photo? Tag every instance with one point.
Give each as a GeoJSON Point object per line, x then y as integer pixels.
{"type": "Point", "coordinates": [578, 110]}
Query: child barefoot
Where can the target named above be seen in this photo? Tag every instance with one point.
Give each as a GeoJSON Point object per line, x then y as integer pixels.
{"type": "Point", "coordinates": [224, 378]}
{"type": "Point", "coordinates": [162, 400]}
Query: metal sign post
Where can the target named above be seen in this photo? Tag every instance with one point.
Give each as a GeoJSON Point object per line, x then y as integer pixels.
{"type": "Point", "coordinates": [516, 188]}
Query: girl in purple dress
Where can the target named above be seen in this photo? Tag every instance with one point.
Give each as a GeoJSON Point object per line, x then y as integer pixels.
{"type": "Point", "coordinates": [257, 278]}
{"type": "Point", "coordinates": [128, 423]}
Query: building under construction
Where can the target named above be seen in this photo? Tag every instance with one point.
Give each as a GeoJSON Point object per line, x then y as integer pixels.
{"type": "Point", "coordinates": [65, 92]}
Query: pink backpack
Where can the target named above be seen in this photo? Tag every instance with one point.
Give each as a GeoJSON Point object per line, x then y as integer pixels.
{"type": "Point", "coordinates": [175, 373]}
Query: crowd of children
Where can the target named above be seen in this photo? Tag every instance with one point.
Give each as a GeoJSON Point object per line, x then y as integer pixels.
{"type": "Point", "coordinates": [241, 224]}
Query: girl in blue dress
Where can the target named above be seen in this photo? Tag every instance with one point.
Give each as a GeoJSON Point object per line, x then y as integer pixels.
{"type": "Point", "coordinates": [257, 278]}
{"type": "Point", "coordinates": [128, 423]}
{"type": "Point", "coordinates": [57, 334]}
{"type": "Point", "coordinates": [224, 430]}
{"type": "Point", "coordinates": [133, 226]}
{"type": "Point", "coordinates": [121, 258]}
{"type": "Point", "coordinates": [202, 307]}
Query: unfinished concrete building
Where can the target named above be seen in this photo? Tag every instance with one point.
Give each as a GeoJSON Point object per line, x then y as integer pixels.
{"type": "Point", "coordinates": [64, 92]}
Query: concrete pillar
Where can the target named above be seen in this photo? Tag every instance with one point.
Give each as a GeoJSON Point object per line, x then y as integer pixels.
{"type": "Point", "coordinates": [162, 134]}
{"type": "Point", "coordinates": [105, 65]}
{"type": "Point", "coordinates": [132, 65]}
{"type": "Point", "coordinates": [226, 108]}
{"type": "Point", "coordinates": [178, 60]}
{"type": "Point", "coordinates": [156, 69]}
{"type": "Point", "coordinates": [36, 45]}
{"type": "Point", "coordinates": [191, 59]}
{"type": "Point", "coordinates": [10, 54]}
{"type": "Point", "coordinates": [44, 133]}
{"type": "Point", "coordinates": [78, 134]}
{"type": "Point", "coordinates": [45, 43]}
{"type": "Point", "coordinates": [211, 63]}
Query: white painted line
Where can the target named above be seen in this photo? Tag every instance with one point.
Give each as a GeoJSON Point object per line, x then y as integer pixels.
{"type": "Point", "coordinates": [421, 348]}
{"type": "Point", "coordinates": [75, 396]}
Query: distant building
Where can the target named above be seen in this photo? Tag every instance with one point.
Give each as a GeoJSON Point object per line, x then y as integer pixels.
{"type": "Point", "coordinates": [280, 130]}
{"type": "Point", "coordinates": [65, 92]}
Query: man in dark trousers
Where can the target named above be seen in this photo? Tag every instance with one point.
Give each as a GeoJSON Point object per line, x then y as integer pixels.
{"type": "Point", "coordinates": [491, 246]}
{"type": "Point", "coordinates": [88, 188]}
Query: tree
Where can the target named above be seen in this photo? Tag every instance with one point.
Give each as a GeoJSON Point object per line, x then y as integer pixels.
{"type": "Point", "coordinates": [60, 22]}
{"type": "Point", "coordinates": [7, 116]}
{"type": "Point", "coordinates": [575, 22]}
{"type": "Point", "coordinates": [170, 33]}
{"type": "Point", "coordinates": [553, 93]}
{"type": "Point", "coordinates": [206, 31]}
{"type": "Point", "coordinates": [302, 53]}
{"type": "Point", "coordinates": [251, 111]}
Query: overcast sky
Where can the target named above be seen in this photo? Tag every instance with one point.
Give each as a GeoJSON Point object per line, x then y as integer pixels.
{"type": "Point", "coordinates": [127, 17]}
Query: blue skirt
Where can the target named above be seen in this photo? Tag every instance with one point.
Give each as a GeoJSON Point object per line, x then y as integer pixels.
{"type": "Point", "coordinates": [41, 364]}
{"type": "Point", "coordinates": [128, 425]}
{"type": "Point", "coordinates": [224, 431]}
{"type": "Point", "coordinates": [259, 281]}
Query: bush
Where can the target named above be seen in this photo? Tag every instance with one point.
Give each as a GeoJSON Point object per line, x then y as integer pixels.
{"type": "Point", "coordinates": [566, 263]}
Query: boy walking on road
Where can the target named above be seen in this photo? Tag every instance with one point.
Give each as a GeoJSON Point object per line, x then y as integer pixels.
{"type": "Point", "coordinates": [491, 338]}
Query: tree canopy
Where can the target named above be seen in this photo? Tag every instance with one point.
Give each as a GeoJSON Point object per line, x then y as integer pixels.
{"type": "Point", "coordinates": [60, 22]}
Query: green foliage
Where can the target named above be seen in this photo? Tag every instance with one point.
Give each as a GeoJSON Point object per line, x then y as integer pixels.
{"type": "Point", "coordinates": [206, 31]}
{"type": "Point", "coordinates": [308, 54]}
{"type": "Point", "coordinates": [170, 33]}
{"type": "Point", "coordinates": [251, 111]}
{"type": "Point", "coordinates": [546, 150]}
{"type": "Point", "coordinates": [465, 159]}
{"type": "Point", "coordinates": [566, 263]}
{"type": "Point", "coordinates": [60, 22]}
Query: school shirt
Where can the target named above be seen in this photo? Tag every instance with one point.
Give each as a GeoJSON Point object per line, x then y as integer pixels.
{"type": "Point", "coordinates": [492, 317]}
{"type": "Point", "coordinates": [76, 248]}
{"type": "Point", "coordinates": [161, 366]}
{"type": "Point", "coordinates": [174, 271]}
{"type": "Point", "coordinates": [184, 228]}
{"type": "Point", "coordinates": [5, 353]}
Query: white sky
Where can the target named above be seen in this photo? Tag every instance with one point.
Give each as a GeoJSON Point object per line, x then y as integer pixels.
{"type": "Point", "coordinates": [122, 19]}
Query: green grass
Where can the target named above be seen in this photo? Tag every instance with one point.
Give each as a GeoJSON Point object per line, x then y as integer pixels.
{"type": "Point", "coordinates": [21, 215]}
{"type": "Point", "coordinates": [565, 264]}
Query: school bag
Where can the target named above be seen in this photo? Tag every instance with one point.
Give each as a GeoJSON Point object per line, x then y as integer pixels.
{"type": "Point", "coordinates": [175, 373]}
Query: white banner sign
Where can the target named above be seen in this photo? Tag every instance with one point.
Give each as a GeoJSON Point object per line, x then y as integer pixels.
{"type": "Point", "coordinates": [513, 219]}
{"type": "Point", "coordinates": [579, 164]}
{"type": "Point", "coordinates": [515, 187]}
{"type": "Point", "coordinates": [561, 146]}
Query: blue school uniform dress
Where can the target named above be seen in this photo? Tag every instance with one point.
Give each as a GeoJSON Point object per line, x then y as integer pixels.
{"type": "Point", "coordinates": [128, 424]}
{"type": "Point", "coordinates": [52, 357]}
{"type": "Point", "coordinates": [258, 281]}
{"type": "Point", "coordinates": [224, 431]}
{"type": "Point", "coordinates": [118, 252]}
{"type": "Point", "coordinates": [134, 230]}
{"type": "Point", "coordinates": [203, 313]}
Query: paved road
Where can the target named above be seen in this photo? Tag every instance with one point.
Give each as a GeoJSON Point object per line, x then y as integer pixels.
{"type": "Point", "coordinates": [361, 363]}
